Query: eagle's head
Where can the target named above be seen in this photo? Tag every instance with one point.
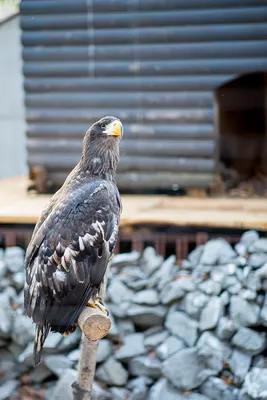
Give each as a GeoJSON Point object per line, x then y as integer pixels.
{"type": "Point", "coordinates": [101, 145]}
{"type": "Point", "coordinates": [106, 127]}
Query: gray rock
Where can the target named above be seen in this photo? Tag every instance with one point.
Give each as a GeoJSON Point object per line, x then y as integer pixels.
{"type": "Point", "coordinates": [118, 292]}
{"type": "Point", "coordinates": [171, 292]}
{"type": "Point", "coordinates": [125, 326]}
{"type": "Point", "coordinates": [240, 262]}
{"type": "Point", "coordinates": [230, 280]}
{"type": "Point", "coordinates": [145, 366]}
{"type": "Point", "coordinates": [112, 372]}
{"type": "Point", "coordinates": [225, 328]}
{"type": "Point", "coordinates": [162, 389]}
{"type": "Point", "coordinates": [49, 390]}
{"type": "Point", "coordinates": [147, 316]}
{"type": "Point", "coordinates": [133, 345]}
{"type": "Point", "coordinates": [63, 389]}
{"type": "Point", "coordinates": [119, 310]}
{"type": "Point", "coordinates": [257, 260]}
{"type": "Point", "coordinates": [250, 341]}
{"type": "Point", "coordinates": [131, 274]}
{"type": "Point", "coordinates": [195, 255]}
{"type": "Point", "coordinates": [219, 274]}
{"type": "Point", "coordinates": [8, 365]}
{"type": "Point", "coordinates": [100, 394]}
{"type": "Point", "coordinates": [260, 245]}
{"type": "Point", "coordinates": [8, 388]}
{"type": "Point", "coordinates": [210, 314]}
{"type": "Point", "coordinates": [139, 381]}
{"type": "Point", "coordinates": [119, 393]}
{"type": "Point", "coordinates": [74, 355]}
{"type": "Point", "coordinates": [255, 384]}
{"type": "Point", "coordinates": [184, 369]}
{"type": "Point", "coordinates": [260, 299]}
{"type": "Point", "coordinates": [243, 313]}
{"type": "Point", "coordinates": [151, 261]}
{"type": "Point", "coordinates": [148, 297]}
{"type": "Point", "coordinates": [217, 251]}
{"type": "Point", "coordinates": [241, 249]}
{"type": "Point", "coordinates": [53, 341]}
{"type": "Point", "coordinates": [201, 273]}
{"type": "Point", "coordinates": [178, 323]}
{"type": "Point", "coordinates": [211, 352]}
{"type": "Point", "coordinates": [169, 347]}
{"type": "Point", "coordinates": [176, 290]}
{"type": "Point", "coordinates": [194, 303]}
{"type": "Point", "coordinates": [243, 395]}
{"type": "Point", "coordinates": [69, 342]}
{"type": "Point", "coordinates": [154, 339]}
{"type": "Point", "coordinates": [235, 289]}
{"type": "Point", "coordinates": [140, 284]}
{"type": "Point", "coordinates": [14, 258]}
{"type": "Point", "coordinates": [239, 364]}
{"type": "Point", "coordinates": [139, 387]}
{"type": "Point", "coordinates": [125, 258]}
{"type": "Point", "coordinates": [114, 331]}
{"type": "Point", "coordinates": [104, 350]}
{"type": "Point", "coordinates": [210, 287]}
{"type": "Point", "coordinates": [6, 316]}
{"type": "Point", "coordinates": [248, 294]}
{"type": "Point", "coordinates": [263, 313]}
{"type": "Point", "coordinates": [259, 362]}
{"type": "Point", "coordinates": [26, 356]}
{"type": "Point", "coordinates": [3, 269]}
{"type": "Point", "coordinates": [186, 265]}
{"type": "Point", "coordinates": [249, 237]}
{"type": "Point", "coordinates": [138, 394]}
{"type": "Point", "coordinates": [217, 389]}
{"type": "Point", "coordinates": [253, 281]}
{"type": "Point", "coordinates": [39, 373]}
{"type": "Point", "coordinates": [57, 364]}
{"type": "Point", "coordinates": [163, 274]}
{"type": "Point", "coordinates": [23, 330]}
{"type": "Point", "coordinates": [18, 280]}
{"type": "Point", "coordinates": [262, 272]}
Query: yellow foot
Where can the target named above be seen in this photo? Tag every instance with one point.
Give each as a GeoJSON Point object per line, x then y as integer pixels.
{"type": "Point", "coordinates": [98, 304]}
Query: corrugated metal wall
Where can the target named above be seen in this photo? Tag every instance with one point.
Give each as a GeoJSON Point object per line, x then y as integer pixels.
{"type": "Point", "coordinates": [152, 63]}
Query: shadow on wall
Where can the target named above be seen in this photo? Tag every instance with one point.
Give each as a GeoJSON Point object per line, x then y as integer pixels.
{"type": "Point", "coordinates": [243, 132]}
{"type": "Point", "coordinates": [12, 125]}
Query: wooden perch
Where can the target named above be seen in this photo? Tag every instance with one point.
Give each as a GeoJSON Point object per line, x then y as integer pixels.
{"type": "Point", "coordinates": [94, 325]}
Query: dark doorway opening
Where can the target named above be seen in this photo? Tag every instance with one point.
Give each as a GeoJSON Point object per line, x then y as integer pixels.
{"type": "Point", "coordinates": [242, 130]}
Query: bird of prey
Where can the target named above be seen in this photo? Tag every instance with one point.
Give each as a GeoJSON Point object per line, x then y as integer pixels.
{"type": "Point", "coordinates": [75, 237]}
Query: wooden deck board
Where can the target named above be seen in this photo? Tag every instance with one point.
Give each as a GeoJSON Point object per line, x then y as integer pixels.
{"type": "Point", "coordinates": [16, 206]}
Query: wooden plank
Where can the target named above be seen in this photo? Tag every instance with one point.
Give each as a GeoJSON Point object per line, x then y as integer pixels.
{"type": "Point", "coordinates": [16, 206]}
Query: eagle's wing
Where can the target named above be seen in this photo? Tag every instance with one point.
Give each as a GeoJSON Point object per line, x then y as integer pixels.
{"type": "Point", "coordinates": [68, 255]}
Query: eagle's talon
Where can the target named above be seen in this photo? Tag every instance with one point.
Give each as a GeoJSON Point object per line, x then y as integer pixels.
{"type": "Point", "coordinates": [98, 304]}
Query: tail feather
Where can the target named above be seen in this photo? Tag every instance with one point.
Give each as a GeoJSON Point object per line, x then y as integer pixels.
{"type": "Point", "coordinates": [41, 332]}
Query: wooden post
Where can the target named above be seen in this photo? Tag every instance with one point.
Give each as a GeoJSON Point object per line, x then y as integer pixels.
{"type": "Point", "coordinates": [94, 325]}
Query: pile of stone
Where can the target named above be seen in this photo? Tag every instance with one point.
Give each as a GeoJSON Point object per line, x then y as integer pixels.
{"type": "Point", "coordinates": [194, 332]}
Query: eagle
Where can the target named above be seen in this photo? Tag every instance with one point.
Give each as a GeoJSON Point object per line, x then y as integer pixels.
{"type": "Point", "coordinates": [75, 237]}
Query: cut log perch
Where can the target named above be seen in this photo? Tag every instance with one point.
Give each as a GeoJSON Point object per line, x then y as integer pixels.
{"type": "Point", "coordinates": [94, 325]}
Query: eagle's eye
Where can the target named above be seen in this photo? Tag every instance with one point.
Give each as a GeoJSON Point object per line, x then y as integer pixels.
{"type": "Point", "coordinates": [102, 126]}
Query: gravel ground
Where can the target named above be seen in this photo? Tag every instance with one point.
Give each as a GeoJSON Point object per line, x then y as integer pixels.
{"type": "Point", "coordinates": [194, 332]}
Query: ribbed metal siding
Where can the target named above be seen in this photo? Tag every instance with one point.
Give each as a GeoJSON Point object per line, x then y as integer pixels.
{"type": "Point", "coordinates": [152, 63]}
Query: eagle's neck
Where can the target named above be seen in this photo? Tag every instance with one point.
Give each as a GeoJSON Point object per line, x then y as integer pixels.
{"type": "Point", "coordinates": [101, 160]}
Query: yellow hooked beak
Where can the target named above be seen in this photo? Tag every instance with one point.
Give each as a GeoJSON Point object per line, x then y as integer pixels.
{"type": "Point", "coordinates": [114, 128]}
